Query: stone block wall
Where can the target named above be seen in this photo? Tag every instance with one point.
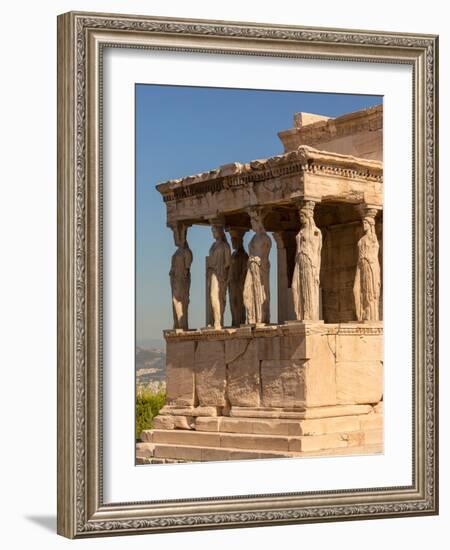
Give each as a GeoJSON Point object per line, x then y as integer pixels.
{"type": "Point", "coordinates": [339, 259]}
{"type": "Point", "coordinates": [338, 268]}
{"type": "Point", "coordinates": [292, 366]}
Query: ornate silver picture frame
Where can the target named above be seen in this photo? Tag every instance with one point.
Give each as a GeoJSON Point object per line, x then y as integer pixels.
{"type": "Point", "coordinates": [83, 510]}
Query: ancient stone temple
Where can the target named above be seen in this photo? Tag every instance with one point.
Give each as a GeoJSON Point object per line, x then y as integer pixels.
{"type": "Point", "coordinates": [309, 382]}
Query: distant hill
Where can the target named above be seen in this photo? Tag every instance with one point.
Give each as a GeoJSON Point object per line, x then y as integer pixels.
{"type": "Point", "coordinates": [151, 343]}
{"type": "Point", "coordinates": [150, 365]}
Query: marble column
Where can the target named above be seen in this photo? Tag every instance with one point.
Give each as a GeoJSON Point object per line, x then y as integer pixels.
{"type": "Point", "coordinates": [218, 264]}
{"type": "Point", "coordinates": [238, 272]}
{"type": "Point", "coordinates": [180, 276]}
{"type": "Point", "coordinates": [306, 278]}
{"type": "Point", "coordinates": [257, 280]}
{"type": "Point", "coordinates": [379, 233]}
{"type": "Point", "coordinates": [367, 285]}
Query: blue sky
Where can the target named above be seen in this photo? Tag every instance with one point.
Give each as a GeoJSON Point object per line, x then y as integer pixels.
{"type": "Point", "coordinates": [183, 130]}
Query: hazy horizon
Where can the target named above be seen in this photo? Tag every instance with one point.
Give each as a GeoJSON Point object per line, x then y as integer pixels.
{"type": "Point", "coordinates": [151, 343]}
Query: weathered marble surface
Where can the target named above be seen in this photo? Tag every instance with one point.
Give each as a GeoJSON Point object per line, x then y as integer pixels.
{"type": "Point", "coordinates": [306, 278]}
{"type": "Point", "coordinates": [180, 373]}
{"type": "Point", "coordinates": [298, 365]}
{"type": "Point", "coordinates": [243, 373]}
{"type": "Point", "coordinates": [217, 274]}
{"type": "Point", "coordinates": [283, 383]}
{"type": "Point", "coordinates": [331, 177]}
{"type": "Point", "coordinates": [228, 438]}
{"type": "Point", "coordinates": [367, 284]}
{"type": "Point", "coordinates": [180, 277]}
{"type": "Point", "coordinates": [359, 134]}
{"type": "Point", "coordinates": [210, 373]}
{"type": "Point", "coordinates": [256, 294]}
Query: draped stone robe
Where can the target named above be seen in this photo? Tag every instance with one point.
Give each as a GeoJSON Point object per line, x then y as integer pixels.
{"type": "Point", "coordinates": [306, 277]}
{"type": "Point", "coordinates": [180, 282]}
{"type": "Point", "coordinates": [367, 285]}
{"type": "Point", "coordinates": [257, 284]}
{"type": "Point", "coordinates": [218, 266]}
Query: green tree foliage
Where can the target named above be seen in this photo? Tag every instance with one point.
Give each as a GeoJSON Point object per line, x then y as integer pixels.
{"type": "Point", "coordinates": [148, 403]}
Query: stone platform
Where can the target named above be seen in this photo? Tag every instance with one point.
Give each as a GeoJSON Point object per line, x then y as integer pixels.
{"type": "Point", "coordinates": [297, 389]}
{"type": "Point", "coordinates": [352, 430]}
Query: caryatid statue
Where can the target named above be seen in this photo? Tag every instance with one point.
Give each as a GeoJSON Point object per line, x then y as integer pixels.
{"type": "Point", "coordinates": [366, 288]}
{"type": "Point", "coordinates": [218, 264]}
{"type": "Point", "coordinates": [180, 277]}
{"type": "Point", "coordinates": [306, 277]}
{"type": "Point", "coordinates": [257, 284]}
{"type": "Point", "coordinates": [238, 271]}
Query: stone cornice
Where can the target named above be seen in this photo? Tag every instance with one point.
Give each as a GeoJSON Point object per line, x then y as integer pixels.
{"type": "Point", "coordinates": [304, 160]}
{"type": "Point", "coordinates": [271, 331]}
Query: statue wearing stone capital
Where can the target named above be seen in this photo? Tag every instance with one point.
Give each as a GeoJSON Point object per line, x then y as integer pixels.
{"type": "Point", "coordinates": [306, 278]}
{"type": "Point", "coordinates": [257, 285]}
{"type": "Point", "coordinates": [366, 288]}
{"type": "Point", "coordinates": [217, 275]}
{"type": "Point", "coordinates": [180, 278]}
{"type": "Point", "coordinates": [238, 271]}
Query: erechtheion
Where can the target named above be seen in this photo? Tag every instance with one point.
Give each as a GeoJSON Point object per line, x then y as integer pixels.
{"type": "Point", "coordinates": [309, 382]}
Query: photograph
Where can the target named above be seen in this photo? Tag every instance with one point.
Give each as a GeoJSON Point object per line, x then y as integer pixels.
{"type": "Point", "coordinates": [247, 316]}
{"type": "Point", "coordinates": [259, 271]}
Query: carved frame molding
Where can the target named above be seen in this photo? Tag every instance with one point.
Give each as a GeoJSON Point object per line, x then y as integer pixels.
{"type": "Point", "coordinates": [81, 38]}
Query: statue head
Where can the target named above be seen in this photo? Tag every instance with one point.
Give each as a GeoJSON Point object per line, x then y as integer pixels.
{"type": "Point", "coordinates": [179, 234]}
{"type": "Point", "coordinates": [306, 213]}
{"type": "Point", "coordinates": [218, 231]}
{"type": "Point", "coordinates": [368, 224]}
{"type": "Point", "coordinates": [237, 238]}
{"type": "Point", "coordinates": [256, 219]}
{"type": "Point", "coordinates": [368, 214]}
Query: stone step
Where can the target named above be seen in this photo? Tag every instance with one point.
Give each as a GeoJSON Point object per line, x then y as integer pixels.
{"type": "Point", "coordinates": [144, 449]}
{"type": "Point", "coordinates": [312, 412]}
{"type": "Point", "coordinates": [166, 452]}
{"type": "Point", "coordinates": [190, 411]}
{"type": "Point", "coordinates": [263, 442]}
{"type": "Point", "coordinates": [207, 453]}
{"type": "Point", "coordinates": [292, 427]}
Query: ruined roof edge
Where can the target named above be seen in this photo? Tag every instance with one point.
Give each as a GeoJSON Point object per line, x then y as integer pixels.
{"type": "Point", "coordinates": [304, 154]}
{"type": "Point", "coordinates": [334, 127]}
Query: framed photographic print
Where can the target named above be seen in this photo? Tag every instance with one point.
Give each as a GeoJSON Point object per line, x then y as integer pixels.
{"type": "Point", "coordinates": [247, 288]}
